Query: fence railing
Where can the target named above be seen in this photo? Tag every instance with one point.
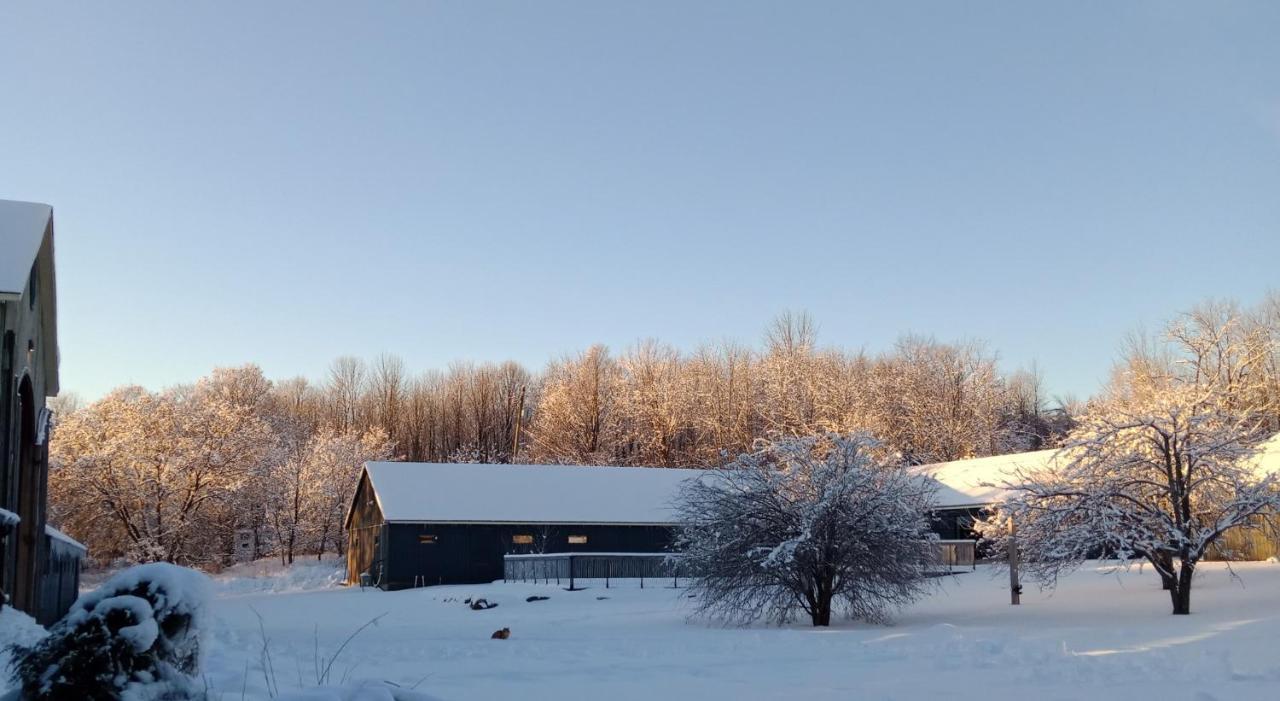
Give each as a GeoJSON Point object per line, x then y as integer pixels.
{"type": "Point", "coordinates": [957, 553]}
{"type": "Point", "coordinates": [573, 568]}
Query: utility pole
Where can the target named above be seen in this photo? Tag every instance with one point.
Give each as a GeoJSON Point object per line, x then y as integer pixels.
{"type": "Point", "coordinates": [1015, 587]}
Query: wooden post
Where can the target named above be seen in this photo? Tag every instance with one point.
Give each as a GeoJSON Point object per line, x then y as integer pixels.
{"type": "Point", "coordinates": [1015, 587]}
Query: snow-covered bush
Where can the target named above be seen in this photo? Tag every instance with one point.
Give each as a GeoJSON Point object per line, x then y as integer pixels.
{"type": "Point", "coordinates": [815, 524]}
{"type": "Point", "coordinates": [137, 637]}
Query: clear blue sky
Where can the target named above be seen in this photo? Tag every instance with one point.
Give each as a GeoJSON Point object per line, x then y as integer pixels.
{"type": "Point", "coordinates": [285, 182]}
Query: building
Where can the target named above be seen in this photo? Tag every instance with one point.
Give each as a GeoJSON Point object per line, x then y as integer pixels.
{"type": "Point", "coordinates": [434, 523]}
{"type": "Point", "coordinates": [40, 565]}
{"type": "Point", "coordinates": [413, 524]}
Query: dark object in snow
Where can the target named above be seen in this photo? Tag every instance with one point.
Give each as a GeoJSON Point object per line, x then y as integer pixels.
{"type": "Point", "coordinates": [501, 634]}
{"type": "Point", "coordinates": [537, 598]}
{"type": "Point", "coordinates": [137, 636]}
{"type": "Point", "coordinates": [482, 605]}
{"type": "Point", "coordinates": [601, 598]}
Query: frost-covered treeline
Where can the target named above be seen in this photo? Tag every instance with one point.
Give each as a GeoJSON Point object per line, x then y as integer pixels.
{"type": "Point", "coordinates": [654, 405]}
{"type": "Point", "coordinates": [174, 475]}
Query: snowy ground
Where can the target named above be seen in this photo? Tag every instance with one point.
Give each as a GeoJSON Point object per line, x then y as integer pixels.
{"type": "Point", "coordinates": [1100, 636]}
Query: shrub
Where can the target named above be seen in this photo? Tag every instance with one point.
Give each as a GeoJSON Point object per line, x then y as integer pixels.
{"type": "Point", "coordinates": [136, 637]}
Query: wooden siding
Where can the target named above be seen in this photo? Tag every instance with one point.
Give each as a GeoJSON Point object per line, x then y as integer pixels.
{"type": "Point", "coordinates": [472, 553]}
{"type": "Point", "coordinates": [366, 535]}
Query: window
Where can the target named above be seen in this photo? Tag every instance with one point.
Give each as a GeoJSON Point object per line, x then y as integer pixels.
{"type": "Point", "coordinates": [522, 539]}
{"type": "Point", "coordinates": [427, 539]}
{"type": "Point", "coordinates": [34, 285]}
{"type": "Point", "coordinates": [577, 540]}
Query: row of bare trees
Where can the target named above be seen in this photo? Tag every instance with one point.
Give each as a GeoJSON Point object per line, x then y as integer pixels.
{"type": "Point", "coordinates": [175, 474]}
{"type": "Point", "coordinates": [655, 405]}
{"type": "Point", "coordinates": [178, 475]}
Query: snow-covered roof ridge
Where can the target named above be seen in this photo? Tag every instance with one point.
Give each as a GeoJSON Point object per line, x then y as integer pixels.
{"type": "Point", "coordinates": [532, 494]}
{"type": "Point", "coordinates": [22, 229]}
{"type": "Point", "coordinates": [975, 481]}
{"type": "Point", "coordinates": [59, 535]}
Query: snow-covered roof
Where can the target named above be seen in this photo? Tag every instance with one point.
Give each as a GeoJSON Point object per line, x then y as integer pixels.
{"type": "Point", "coordinates": [22, 229]}
{"type": "Point", "coordinates": [563, 494]}
{"type": "Point", "coordinates": [1268, 458]}
{"type": "Point", "coordinates": [963, 480]}
{"type": "Point", "coordinates": [59, 535]}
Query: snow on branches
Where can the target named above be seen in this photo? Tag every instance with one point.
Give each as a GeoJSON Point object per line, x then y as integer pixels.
{"type": "Point", "coordinates": [815, 524]}
{"type": "Point", "coordinates": [1155, 476]}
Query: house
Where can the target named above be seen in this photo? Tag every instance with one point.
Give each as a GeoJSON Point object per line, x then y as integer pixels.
{"type": "Point", "coordinates": [40, 566]}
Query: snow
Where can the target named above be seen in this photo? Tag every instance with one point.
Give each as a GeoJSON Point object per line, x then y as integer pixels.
{"type": "Point", "coordinates": [1102, 636]}
{"type": "Point", "coordinates": [63, 537]}
{"type": "Point", "coordinates": [16, 628]}
{"type": "Point", "coordinates": [976, 482]}
{"type": "Point", "coordinates": [178, 590]}
{"type": "Point", "coordinates": [270, 576]}
{"type": "Point", "coordinates": [8, 518]}
{"type": "Point", "coordinates": [461, 493]}
{"type": "Point", "coordinates": [970, 482]}
{"type": "Point", "coordinates": [22, 229]}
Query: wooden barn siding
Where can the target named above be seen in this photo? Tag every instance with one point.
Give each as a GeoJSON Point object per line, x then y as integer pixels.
{"type": "Point", "coordinates": [472, 553]}
{"type": "Point", "coordinates": [366, 536]}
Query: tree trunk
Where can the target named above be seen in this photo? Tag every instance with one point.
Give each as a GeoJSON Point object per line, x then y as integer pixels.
{"type": "Point", "coordinates": [821, 612]}
{"type": "Point", "coordinates": [1181, 595]}
{"type": "Point", "coordinates": [1168, 580]}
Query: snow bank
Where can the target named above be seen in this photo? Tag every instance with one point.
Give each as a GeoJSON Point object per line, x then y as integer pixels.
{"type": "Point", "coordinates": [368, 691]}
{"type": "Point", "coordinates": [269, 576]}
{"type": "Point", "coordinates": [16, 628]}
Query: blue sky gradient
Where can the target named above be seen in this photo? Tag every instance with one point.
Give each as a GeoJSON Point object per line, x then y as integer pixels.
{"type": "Point", "coordinates": [286, 182]}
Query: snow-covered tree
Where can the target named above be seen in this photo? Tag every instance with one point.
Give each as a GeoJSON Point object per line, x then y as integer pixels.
{"type": "Point", "coordinates": [1157, 475]}
{"type": "Point", "coordinates": [135, 637]}
{"type": "Point", "coordinates": [816, 524]}
{"type": "Point", "coordinates": [577, 418]}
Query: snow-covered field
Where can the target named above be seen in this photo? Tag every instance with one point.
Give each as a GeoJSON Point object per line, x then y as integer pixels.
{"type": "Point", "coordinates": [1099, 636]}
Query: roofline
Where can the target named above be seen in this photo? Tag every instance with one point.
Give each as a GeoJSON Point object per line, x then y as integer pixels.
{"type": "Point", "coordinates": [531, 523]}
{"type": "Point", "coordinates": [975, 505]}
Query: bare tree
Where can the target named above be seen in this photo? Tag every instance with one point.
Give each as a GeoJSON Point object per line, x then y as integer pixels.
{"type": "Point", "coordinates": [816, 524]}
{"type": "Point", "coordinates": [345, 388]}
{"type": "Point", "coordinates": [1159, 477]}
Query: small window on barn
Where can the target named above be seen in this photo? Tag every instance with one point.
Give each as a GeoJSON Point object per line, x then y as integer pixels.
{"type": "Point", "coordinates": [522, 539]}
{"type": "Point", "coordinates": [427, 539]}
{"type": "Point", "coordinates": [577, 540]}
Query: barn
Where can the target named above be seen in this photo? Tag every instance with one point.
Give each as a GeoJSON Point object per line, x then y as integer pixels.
{"type": "Point", "coordinates": [415, 524]}
{"type": "Point", "coordinates": [437, 523]}
{"type": "Point", "coordinates": [40, 566]}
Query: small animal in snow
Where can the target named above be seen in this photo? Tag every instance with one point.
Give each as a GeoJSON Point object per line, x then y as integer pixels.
{"type": "Point", "coordinates": [501, 634]}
